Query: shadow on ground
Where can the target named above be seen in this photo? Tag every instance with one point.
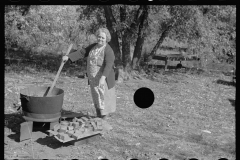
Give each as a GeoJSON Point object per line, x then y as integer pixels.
{"type": "Point", "coordinates": [212, 145]}
{"type": "Point", "coordinates": [41, 62]}
{"type": "Point", "coordinates": [52, 142]}
{"type": "Point", "coordinates": [13, 122]}
{"type": "Point", "coordinates": [36, 62]}
{"type": "Point", "coordinates": [232, 101]}
{"type": "Point", "coordinates": [51, 62]}
{"type": "Point", "coordinates": [227, 83]}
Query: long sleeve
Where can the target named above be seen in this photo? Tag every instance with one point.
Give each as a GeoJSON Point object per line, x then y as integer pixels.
{"type": "Point", "coordinates": [81, 53]}
{"type": "Point", "coordinates": [109, 61]}
{"type": "Point", "coordinates": [76, 55]}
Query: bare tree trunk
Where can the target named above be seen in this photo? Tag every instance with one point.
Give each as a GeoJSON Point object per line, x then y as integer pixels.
{"type": "Point", "coordinates": [141, 37]}
{"type": "Point", "coordinates": [160, 40]}
{"type": "Point", "coordinates": [137, 52]}
{"type": "Point", "coordinates": [164, 34]}
{"type": "Point", "coordinates": [126, 57]}
{"type": "Point", "coordinates": [114, 40]}
{"type": "Point", "coordinates": [128, 33]}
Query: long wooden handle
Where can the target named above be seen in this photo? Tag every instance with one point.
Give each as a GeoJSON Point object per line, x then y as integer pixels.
{"type": "Point", "coordinates": [59, 70]}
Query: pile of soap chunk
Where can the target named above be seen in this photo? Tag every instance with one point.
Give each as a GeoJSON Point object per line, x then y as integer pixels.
{"type": "Point", "coordinates": [79, 128]}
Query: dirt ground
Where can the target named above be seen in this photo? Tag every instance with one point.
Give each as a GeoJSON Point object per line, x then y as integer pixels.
{"type": "Point", "coordinates": [193, 116]}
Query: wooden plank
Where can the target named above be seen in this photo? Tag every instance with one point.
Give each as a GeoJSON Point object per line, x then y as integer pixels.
{"type": "Point", "coordinates": [163, 58]}
{"type": "Point", "coordinates": [175, 57]}
{"type": "Point", "coordinates": [86, 140]}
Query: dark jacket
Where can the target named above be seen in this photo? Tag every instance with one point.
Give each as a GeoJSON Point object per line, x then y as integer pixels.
{"type": "Point", "coordinates": [107, 63]}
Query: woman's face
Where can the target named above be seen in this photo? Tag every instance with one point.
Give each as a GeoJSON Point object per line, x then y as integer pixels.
{"type": "Point", "coordinates": [102, 38]}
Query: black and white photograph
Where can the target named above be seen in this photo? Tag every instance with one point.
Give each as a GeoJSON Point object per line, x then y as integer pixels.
{"type": "Point", "coordinates": [120, 82]}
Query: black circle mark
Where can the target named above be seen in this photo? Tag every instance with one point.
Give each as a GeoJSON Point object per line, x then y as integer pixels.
{"type": "Point", "coordinates": [223, 159]}
{"type": "Point", "coordinates": [143, 97]}
{"type": "Point", "coordinates": [193, 159]}
{"type": "Point", "coordinates": [163, 159]}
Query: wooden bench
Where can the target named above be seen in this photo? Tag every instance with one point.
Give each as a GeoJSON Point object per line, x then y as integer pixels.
{"type": "Point", "coordinates": [174, 57]}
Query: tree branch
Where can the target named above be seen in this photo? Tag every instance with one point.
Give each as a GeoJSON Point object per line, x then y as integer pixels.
{"type": "Point", "coordinates": [137, 19]}
{"type": "Point", "coordinates": [110, 18]}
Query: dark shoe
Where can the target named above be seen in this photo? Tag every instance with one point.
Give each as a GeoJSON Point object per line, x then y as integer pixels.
{"type": "Point", "coordinates": [105, 117]}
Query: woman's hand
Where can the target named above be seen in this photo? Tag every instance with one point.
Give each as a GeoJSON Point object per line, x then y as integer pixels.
{"type": "Point", "coordinates": [65, 59]}
{"type": "Point", "coordinates": [102, 81]}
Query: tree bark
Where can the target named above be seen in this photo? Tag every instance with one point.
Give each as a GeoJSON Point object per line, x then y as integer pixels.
{"type": "Point", "coordinates": [128, 34]}
{"type": "Point", "coordinates": [126, 57]}
{"type": "Point", "coordinates": [137, 19]}
{"type": "Point", "coordinates": [173, 22]}
{"type": "Point", "coordinates": [114, 43]}
{"type": "Point", "coordinates": [125, 38]}
{"type": "Point", "coordinates": [141, 37]}
{"type": "Point", "coordinates": [161, 39]}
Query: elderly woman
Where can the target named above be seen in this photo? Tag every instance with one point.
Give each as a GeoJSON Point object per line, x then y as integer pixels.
{"type": "Point", "coordinates": [101, 76]}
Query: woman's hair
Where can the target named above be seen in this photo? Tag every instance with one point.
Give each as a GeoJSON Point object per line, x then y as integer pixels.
{"type": "Point", "coordinates": [106, 31]}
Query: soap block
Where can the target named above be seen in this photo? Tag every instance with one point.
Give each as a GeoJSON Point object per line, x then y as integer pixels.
{"type": "Point", "coordinates": [70, 128]}
{"type": "Point", "coordinates": [64, 123]}
{"type": "Point", "coordinates": [78, 131]}
{"type": "Point", "coordinates": [75, 136]}
{"type": "Point", "coordinates": [87, 131]}
{"type": "Point", "coordinates": [63, 129]}
{"type": "Point", "coordinates": [94, 126]}
{"type": "Point", "coordinates": [64, 137]}
{"type": "Point", "coordinates": [80, 121]}
{"type": "Point", "coordinates": [59, 135]}
{"type": "Point", "coordinates": [75, 119]}
{"type": "Point", "coordinates": [70, 133]}
{"type": "Point", "coordinates": [87, 124]}
{"type": "Point", "coordinates": [84, 119]}
{"type": "Point", "coordinates": [82, 129]}
{"type": "Point", "coordinates": [56, 127]}
{"type": "Point", "coordinates": [75, 124]}
{"type": "Point", "coordinates": [90, 127]}
{"type": "Point", "coordinates": [82, 125]}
